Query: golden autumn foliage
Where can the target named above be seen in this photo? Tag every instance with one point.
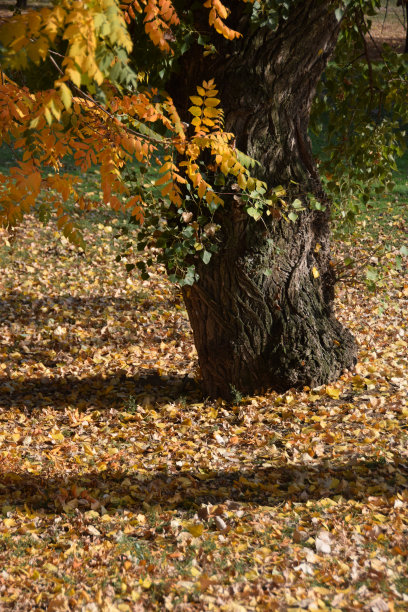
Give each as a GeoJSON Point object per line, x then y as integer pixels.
{"type": "Point", "coordinates": [87, 114]}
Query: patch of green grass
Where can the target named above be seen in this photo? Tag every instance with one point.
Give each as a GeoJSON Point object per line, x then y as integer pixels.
{"type": "Point", "coordinates": [380, 225]}
{"type": "Point", "coordinates": [131, 405]}
{"type": "Point", "coordinates": [21, 545]}
{"type": "Point", "coordinates": [374, 463]}
{"type": "Point", "coordinates": [139, 550]}
{"type": "Point", "coordinates": [236, 395]}
{"type": "Point", "coordinates": [401, 584]}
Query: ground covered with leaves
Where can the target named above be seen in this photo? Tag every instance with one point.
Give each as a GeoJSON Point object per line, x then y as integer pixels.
{"type": "Point", "coordinates": [122, 488]}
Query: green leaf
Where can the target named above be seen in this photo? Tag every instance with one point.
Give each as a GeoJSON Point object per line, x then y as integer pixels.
{"type": "Point", "coordinates": [253, 212]}
{"type": "Point", "coordinates": [246, 160]}
{"type": "Point", "coordinates": [219, 179]}
{"type": "Point", "coordinates": [206, 256]}
{"type": "Point", "coordinates": [292, 216]}
{"type": "Point", "coordinates": [372, 274]}
{"type": "Point", "coordinates": [190, 277]}
{"type": "Point", "coordinates": [339, 12]}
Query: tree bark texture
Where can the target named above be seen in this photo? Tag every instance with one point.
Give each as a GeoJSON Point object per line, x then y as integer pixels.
{"type": "Point", "coordinates": [261, 316]}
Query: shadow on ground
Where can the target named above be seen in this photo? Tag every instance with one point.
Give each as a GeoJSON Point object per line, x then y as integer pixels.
{"type": "Point", "coordinates": [21, 309]}
{"type": "Point", "coordinates": [354, 480]}
{"type": "Point", "coordinates": [93, 391]}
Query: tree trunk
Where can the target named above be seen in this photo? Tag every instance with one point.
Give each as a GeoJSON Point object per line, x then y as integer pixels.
{"type": "Point", "coordinates": [262, 310]}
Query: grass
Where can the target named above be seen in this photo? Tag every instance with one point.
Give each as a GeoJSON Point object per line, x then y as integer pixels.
{"type": "Point", "coordinates": [381, 224]}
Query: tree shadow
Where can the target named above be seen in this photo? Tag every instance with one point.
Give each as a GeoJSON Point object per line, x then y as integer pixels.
{"type": "Point", "coordinates": [19, 308]}
{"type": "Point", "coordinates": [117, 490]}
{"type": "Point", "coordinates": [92, 390]}
{"type": "Point", "coordinates": [100, 391]}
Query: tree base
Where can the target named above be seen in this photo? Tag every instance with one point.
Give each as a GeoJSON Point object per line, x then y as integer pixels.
{"type": "Point", "coordinates": [262, 313]}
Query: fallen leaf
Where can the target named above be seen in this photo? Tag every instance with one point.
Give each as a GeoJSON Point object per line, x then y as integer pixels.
{"type": "Point", "coordinates": [196, 529]}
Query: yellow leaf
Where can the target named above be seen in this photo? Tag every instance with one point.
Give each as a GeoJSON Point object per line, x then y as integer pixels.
{"type": "Point", "coordinates": [251, 575]}
{"type": "Point", "coordinates": [88, 450]}
{"type": "Point", "coordinates": [333, 392]}
{"type": "Point", "coordinates": [315, 272]}
{"type": "Point", "coordinates": [74, 76]}
{"type": "Point", "coordinates": [196, 100]}
{"type": "Point", "coordinates": [34, 123]}
{"type": "Point", "coordinates": [195, 572]}
{"type": "Point", "coordinates": [241, 180]}
{"type": "Point", "coordinates": [9, 522]}
{"type": "Point", "coordinates": [91, 514]}
{"type": "Point", "coordinates": [71, 550]}
{"type": "Point", "coordinates": [55, 110]}
{"type": "Point", "coordinates": [48, 116]}
{"type": "Point", "coordinates": [57, 436]}
{"type": "Point", "coordinates": [202, 189]}
{"type": "Point", "coordinates": [211, 112]}
{"type": "Point", "coordinates": [195, 110]}
{"type": "Point", "coordinates": [146, 583]}
{"type": "Point", "coordinates": [201, 91]}
{"type": "Point", "coordinates": [196, 529]}
{"type": "Point", "coordinates": [212, 101]}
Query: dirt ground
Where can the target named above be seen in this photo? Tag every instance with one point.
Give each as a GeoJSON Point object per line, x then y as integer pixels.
{"type": "Point", "coordinates": [389, 26]}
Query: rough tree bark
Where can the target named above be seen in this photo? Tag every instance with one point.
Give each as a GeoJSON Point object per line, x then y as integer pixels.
{"type": "Point", "coordinates": [260, 317]}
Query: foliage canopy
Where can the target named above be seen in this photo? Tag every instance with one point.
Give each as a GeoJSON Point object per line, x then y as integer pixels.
{"type": "Point", "coordinates": [100, 108]}
{"type": "Point", "coordinates": [85, 79]}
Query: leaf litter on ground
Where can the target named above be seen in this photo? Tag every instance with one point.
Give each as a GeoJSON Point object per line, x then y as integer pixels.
{"type": "Point", "coordinates": [123, 489]}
